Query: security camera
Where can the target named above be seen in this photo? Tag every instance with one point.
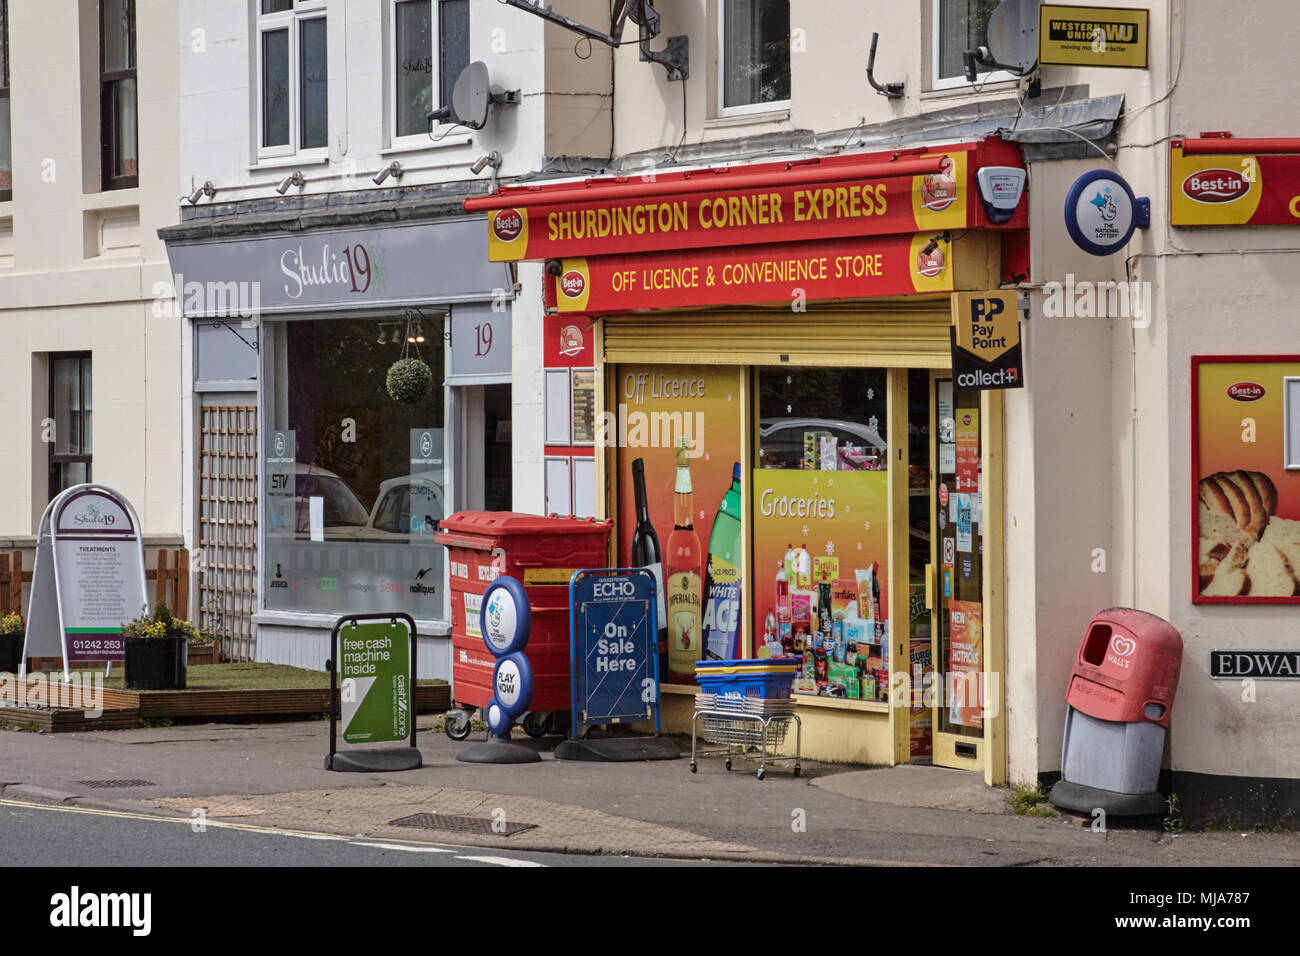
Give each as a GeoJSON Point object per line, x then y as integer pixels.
{"type": "Point", "coordinates": [554, 267]}
{"type": "Point", "coordinates": [492, 159]}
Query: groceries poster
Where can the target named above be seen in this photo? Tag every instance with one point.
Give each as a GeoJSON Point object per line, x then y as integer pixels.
{"type": "Point", "coordinates": [1246, 479]}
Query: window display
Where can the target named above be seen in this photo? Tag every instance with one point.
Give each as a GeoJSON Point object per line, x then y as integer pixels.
{"type": "Point", "coordinates": [354, 481]}
{"type": "Point", "coordinates": [821, 522]}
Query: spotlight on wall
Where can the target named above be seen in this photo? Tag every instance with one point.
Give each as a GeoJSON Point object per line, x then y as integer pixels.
{"type": "Point", "coordinates": [383, 335]}
{"type": "Point", "coordinates": [554, 267]}
{"type": "Point", "coordinates": [207, 189]}
{"type": "Point", "coordinates": [393, 169]}
{"type": "Point", "coordinates": [419, 332]}
{"type": "Point", "coordinates": [492, 159]}
{"type": "Point", "coordinates": [293, 179]}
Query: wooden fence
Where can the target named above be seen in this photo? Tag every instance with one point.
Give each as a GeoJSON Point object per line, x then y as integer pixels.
{"type": "Point", "coordinates": [170, 578]}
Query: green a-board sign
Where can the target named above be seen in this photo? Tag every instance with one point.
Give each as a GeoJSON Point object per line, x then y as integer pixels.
{"type": "Point", "coordinates": [375, 667]}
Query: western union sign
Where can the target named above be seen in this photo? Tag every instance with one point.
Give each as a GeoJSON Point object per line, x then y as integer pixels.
{"type": "Point", "coordinates": [1092, 36]}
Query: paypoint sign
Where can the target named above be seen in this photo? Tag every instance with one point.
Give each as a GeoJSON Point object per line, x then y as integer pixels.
{"type": "Point", "coordinates": [986, 340]}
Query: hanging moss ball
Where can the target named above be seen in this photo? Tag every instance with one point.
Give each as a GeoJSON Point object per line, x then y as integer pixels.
{"type": "Point", "coordinates": [409, 380]}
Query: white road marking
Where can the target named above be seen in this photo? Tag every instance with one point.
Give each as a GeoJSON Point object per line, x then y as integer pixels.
{"type": "Point", "coordinates": [500, 861]}
{"type": "Point", "coordinates": [399, 846]}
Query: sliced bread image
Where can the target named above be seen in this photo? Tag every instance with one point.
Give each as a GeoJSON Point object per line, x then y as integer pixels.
{"type": "Point", "coordinates": [1284, 534]}
{"type": "Point", "coordinates": [1257, 514]}
{"type": "Point", "coordinates": [1267, 490]}
{"type": "Point", "coordinates": [1270, 573]}
{"type": "Point", "coordinates": [1219, 537]}
{"type": "Point", "coordinates": [1229, 580]}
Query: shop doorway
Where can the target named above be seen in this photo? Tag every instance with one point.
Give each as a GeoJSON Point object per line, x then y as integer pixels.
{"type": "Point", "coordinates": [485, 463]}
{"type": "Point", "coordinates": [958, 618]}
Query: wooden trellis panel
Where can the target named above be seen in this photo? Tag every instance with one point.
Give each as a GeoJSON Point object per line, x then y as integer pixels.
{"type": "Point", "coordinates": [228, 526]}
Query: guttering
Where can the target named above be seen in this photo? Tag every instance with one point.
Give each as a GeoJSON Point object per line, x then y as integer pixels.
{"type": "Point", "coordinates": [807, 173]}
{"type": "Point", "coordinates": [1219, 143]}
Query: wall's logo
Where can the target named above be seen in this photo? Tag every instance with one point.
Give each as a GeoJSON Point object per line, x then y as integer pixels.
{"type": "Point", "coordinates": [930, 264]}
{"type": "Point", "coordinates": [507, 224]}
{"type": "Point", "coordinates": [573, 283]}
{"type": "Point", "coordinates": [1123, 646]}
{"type": "Point", "coordinates": [1215, 186]}
{"type": "Point", "coordinates": [1246, 392]}
{"type": "Point", "coordinates": [571, 341]}
{"type": "Point", "coordinates": [939, 190]}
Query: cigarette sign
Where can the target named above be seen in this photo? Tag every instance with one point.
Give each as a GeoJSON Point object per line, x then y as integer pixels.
{"type": "Point", "coordinates": [1092, 36]}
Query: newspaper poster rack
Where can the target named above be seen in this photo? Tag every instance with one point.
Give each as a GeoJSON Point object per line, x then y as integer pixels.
{"type": "Point", "coordinates": [746, 704]}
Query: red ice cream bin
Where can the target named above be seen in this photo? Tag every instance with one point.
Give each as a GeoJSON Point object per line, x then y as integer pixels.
{"type": "Point", "coordinates": [541, 553]}
{"type": "Point", "coordinates": [1118, 704]}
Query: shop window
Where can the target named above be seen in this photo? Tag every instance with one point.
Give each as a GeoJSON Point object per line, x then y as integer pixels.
{"type": "Point", "coordinates": [6, 144]}
{"type": "Point", "coordinates": [68, 430]}
{"type": "Point", "coordinates": [293, 100]}
{"type": "Point", "coordinates": [959, 25]}
{"type": "Point", "coordinates": [754, 56]}
{"type": "Point", "coordinates": [821, 528]}
{"type": "Point", "coordinates": [117, 94]}
{"type": "Point", "coordinates": [426, 61]}
{"type": "Point", "coordinates": [226, 354]}
{"type": "Point", "coordinates": [354, 481]}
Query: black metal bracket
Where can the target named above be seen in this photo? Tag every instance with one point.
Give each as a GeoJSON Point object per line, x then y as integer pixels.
{"type": "Point", "coordinates": [675, 58]}
{"type": "Point", "coordinates": [893, 91]}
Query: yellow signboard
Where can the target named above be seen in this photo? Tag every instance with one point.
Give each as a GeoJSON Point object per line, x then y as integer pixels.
{"type": "Point", "coordinates": [1092, 36]}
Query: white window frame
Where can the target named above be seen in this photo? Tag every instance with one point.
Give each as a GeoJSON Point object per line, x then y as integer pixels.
{"type": "Point", "coordinates": [435, 37]}
{"type": "Point", "coordinates": [750, 109]}
{"type": "Point", "coordinates": [954, 82]}
{"type": "Point", "coordinates": [290, 20]}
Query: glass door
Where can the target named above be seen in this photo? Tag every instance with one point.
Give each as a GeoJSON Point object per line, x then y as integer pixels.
{"type": "Point", "coordinates": [957, 598]}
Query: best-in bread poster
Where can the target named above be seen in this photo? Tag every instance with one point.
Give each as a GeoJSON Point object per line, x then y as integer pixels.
{"type": "Point", "coordinates": [1247, 542]}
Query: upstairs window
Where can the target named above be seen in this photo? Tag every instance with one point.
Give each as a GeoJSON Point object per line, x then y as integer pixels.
{"type": "Point", "coordinates": [754, 55]}
{"type": "Point", "coordinates": [70, 413]}
{"type": "Point", "coordinates": [118, 121]}
{"type": "Point", "coordinates": [292, 77]}
{"type": "Point", "coordinates": [960, 25]}
{"type": "Point", "coordinates": [430, 43]}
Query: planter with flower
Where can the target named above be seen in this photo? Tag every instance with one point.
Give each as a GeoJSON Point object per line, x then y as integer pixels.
{"type": "Point", "coordinates": [157, 650]}
{"type": "Point", "coordinates": [11, 643]}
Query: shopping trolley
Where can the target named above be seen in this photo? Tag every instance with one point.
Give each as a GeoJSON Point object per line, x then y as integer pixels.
{"type": "Point", "coordinates": [746, 704]}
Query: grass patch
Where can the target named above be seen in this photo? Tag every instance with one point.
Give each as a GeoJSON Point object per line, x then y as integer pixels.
{"type": "Point", "coordinates": [1025, 800]}
{"type": "Point", "coordinates": [246, 676]}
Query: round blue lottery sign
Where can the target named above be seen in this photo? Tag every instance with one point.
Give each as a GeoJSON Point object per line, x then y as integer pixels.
{"type": "Point", "coordinates": [1101, 212]}
{"type": "Point", "coordinates": [505, 617]}
{"type": "Point", "coordinates": [512, 684]}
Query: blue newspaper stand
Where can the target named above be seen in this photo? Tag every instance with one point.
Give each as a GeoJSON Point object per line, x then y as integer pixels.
{"type": "Point", "coordinates": [613, 665]}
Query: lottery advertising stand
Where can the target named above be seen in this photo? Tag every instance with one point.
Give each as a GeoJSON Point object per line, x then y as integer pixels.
{"type": "Point", "coordinates": [374, 655]}
{"type": "Point", "coordinates": [505, 619]}
{"type": "Point", "coordinates": [614, 663]}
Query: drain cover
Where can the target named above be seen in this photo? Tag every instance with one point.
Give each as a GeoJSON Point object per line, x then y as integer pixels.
{"type": "Point", "coordinates": [479, 825]}
{"type": "Point", "coordinates": [109, 784]}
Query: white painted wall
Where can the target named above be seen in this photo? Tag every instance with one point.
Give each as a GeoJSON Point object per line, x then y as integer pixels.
{"type": "Point", "coordinates": [62, 292]}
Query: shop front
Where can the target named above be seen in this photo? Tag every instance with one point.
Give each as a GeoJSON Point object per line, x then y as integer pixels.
{"type": "Point", "coordinates": [778, 427]}
{"type": "Point", "coordinates": [347, 469]}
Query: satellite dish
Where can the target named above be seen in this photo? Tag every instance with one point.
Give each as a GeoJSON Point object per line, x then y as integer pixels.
{"type": "Point", "coordinates": [1013, 34]}
{"type": "Point", "coordinates": [471, 96]}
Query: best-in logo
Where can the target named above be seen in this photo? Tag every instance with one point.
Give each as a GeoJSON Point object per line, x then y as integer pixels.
{"type": "Point", "coordinates": [507, 224]}
{"type": "Point", "coordinates": [1246, 392]}
{"type": "Point", "coordinates": [1215, 186]}
{"type": "Point", "coordinates": [573, 283]}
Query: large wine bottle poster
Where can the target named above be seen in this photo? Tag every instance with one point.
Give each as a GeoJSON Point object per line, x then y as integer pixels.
{"type": "Point", "coordinates": [657, 407]}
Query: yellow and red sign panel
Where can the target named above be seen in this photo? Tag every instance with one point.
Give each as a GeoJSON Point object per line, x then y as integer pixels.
{"type": "Point", "coordinates": [1233, 188]}
{"type": "Point", "coordinates": [788, 272]}
{"type": "Point", "coordinates": [1092, 36]}
{"type": "Point", "coordinates": [1246, 479]}
{"type": "Point", "coordinates": [665, 220]}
